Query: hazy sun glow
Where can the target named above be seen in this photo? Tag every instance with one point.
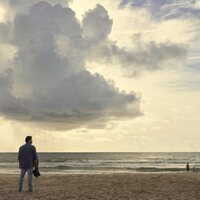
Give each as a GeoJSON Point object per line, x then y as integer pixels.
{"type": "Point", "coordinates": [2, 14]}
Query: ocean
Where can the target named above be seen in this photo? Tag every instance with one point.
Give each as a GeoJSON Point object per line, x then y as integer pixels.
{"type": "Point", "coordinates": [97, 163]}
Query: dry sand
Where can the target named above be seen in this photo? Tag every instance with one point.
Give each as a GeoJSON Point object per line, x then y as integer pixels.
{"type": "Point", "coordinates": [140, 186]}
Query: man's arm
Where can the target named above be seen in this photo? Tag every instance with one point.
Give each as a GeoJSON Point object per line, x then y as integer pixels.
{"type": "Point", "coordinates": [35, 157]}
{"type": "Point", "coordinates": [19, 158]}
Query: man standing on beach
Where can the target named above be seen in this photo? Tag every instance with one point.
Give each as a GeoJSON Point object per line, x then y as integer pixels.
{"type": "Point", "coordinates": [28, 159]}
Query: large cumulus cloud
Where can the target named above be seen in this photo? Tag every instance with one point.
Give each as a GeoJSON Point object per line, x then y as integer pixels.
{"type": "Point", "coordinates": [46, 81]}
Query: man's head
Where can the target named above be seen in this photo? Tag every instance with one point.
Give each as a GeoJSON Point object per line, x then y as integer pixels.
{"type": "Point", "coordinates": [28, 139]}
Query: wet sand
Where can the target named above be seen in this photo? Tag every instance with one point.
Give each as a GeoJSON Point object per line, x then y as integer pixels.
{"type": "Point", "coordinates": [140, 186]}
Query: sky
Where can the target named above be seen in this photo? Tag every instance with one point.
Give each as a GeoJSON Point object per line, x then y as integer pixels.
{"type": "Point", "coordinates": [100, 75]}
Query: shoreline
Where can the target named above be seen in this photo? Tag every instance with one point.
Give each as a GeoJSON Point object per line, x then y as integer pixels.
{"type": "Point", "coordinates": [99, 172]}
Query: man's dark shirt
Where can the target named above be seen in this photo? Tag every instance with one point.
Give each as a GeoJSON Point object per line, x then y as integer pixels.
{"type": "Point", "coordinates": [27, 156]}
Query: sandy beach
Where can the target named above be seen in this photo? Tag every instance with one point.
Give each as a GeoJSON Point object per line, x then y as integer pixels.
{"type": "Point", "coordinates": [139, 186]}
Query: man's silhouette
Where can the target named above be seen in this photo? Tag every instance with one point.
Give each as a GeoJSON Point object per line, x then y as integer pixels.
{"type": "Point", "coordinates": [28, 159]}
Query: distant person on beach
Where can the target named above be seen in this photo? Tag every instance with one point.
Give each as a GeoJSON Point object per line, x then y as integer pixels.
{"type": "Point", "coordinates": [28, 159]}
{"type": "Point", "coordinates": [188, 167]}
